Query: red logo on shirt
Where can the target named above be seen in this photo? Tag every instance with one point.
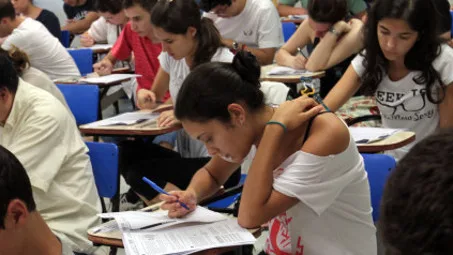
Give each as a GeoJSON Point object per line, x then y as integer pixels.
{"type": "Point", "coordinates": [279, 241]}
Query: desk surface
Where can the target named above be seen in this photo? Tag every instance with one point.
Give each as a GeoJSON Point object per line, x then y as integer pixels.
{"type": "Point", "coordinates": [76, 81]}
{"type": "Point", "coordinates": [286, 78]}
{"type": "Point", "coordinates": [392, 142]}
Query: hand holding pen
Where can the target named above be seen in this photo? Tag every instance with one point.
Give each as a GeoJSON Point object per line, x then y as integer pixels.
{"type": "Point", "coordinates": [300, 60]}
{"type": "Point", "coordinates": [146, 99]}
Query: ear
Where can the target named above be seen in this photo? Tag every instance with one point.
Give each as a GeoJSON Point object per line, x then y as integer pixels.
{"type": "Point", "coordinates": [191, 31]}
{"type": "Point", "coordinates": [237, 114]}
{"type": "Point", "coordinates": [4, 94]}
{"type": "Point", "coordinates": [16, 214]}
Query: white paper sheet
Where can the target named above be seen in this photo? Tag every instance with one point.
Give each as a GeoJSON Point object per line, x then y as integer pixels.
{"type": "Point", "coordinates": [128, 118]}
{"type": "Point", "coordinates": [363, 135]}
{"type": "Point", "coordinates": [108, 79]}
{"type": "Point", "coordinates": [187, 239]}
{"type": "Point", "coordinates": [100, 47]}
{"type": "Point", "coordinates": [284, 70]}
{"type": "Point", "coordinates": [134, 220]}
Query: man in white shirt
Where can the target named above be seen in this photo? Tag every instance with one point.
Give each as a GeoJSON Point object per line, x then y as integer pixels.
{"type": "Point", "coordinates": [42, 134]}
{"type": "Point", "coordinates": [44, 50]}
{"type": "Point", "coordinates": [252, 25]}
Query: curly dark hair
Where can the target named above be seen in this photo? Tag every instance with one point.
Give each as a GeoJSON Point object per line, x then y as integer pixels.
{"type": "Point", "coordinates": [417, 204]}
{"type": "Point", "coordinates": [419, 14]}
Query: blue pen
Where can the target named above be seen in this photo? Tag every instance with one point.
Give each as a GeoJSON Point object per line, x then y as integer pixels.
{"type": "Point", "coordinates": [160, 190]}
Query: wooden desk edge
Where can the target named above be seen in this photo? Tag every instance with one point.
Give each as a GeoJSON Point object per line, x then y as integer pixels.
{"type": "Point", "coordinates": [379, 147]}
{"type": "Point", "coordinates": [131, 132]}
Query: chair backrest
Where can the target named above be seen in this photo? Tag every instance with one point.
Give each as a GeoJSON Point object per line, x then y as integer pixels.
{"type": "Point", "coordinates": [451, 29]}
{"type": "Point", "coordinates": [83, 100]}
{"type": "Point", "coordinates": [378, 167]}
{"type": "Point", "coordinates": [104, 159]}
{"type": "Point", "coordinates": [65, 38]}
{"type": "Point", "coordinates": [288, 30]}
{"type": "Point", "coordinates": [83, 59]}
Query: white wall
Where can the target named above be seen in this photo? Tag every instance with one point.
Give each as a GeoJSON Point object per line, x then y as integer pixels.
{"type": "Point", "coordinates": [56, 6]}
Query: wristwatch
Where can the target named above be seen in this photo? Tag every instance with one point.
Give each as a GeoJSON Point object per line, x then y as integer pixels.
{"type": "Point", "coordinates": [235, 45]}
{"type": "Point", "coordinates": [334, 31]}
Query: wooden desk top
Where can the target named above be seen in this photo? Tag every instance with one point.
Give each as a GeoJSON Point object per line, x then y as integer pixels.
{"type": "Point", "coordinates": [286, 78]}
{"type": "Point", "coordinates": [392, 142]}
{"type": "Point", "coordinates": [296, 19]}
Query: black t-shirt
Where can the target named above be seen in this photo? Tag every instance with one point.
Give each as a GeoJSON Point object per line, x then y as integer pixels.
{"type": "Point", "coordinates": [51, 22]}
{"type": "Point", "coordinates": [78, 12]}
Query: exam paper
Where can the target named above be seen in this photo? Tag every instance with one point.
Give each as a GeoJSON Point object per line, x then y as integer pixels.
{"type": "Point", "coordinates": [100, 47]}
{"type": "Point", "coordinates": [187, 239]}
{"type": "Point", "coordinates": [284, 70]}
{"type": "Point", "coordinates": [365, 135]}
{"type": "Point", "coordinates": [128, 118]}
{"type": "Point", "coordinates": [108, 79]}
{"type": "Point", "coordinates": [134, 220]}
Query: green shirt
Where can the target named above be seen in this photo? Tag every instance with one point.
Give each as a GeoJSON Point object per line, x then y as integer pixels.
{"type": "Point", "coordinates": [355, 6]}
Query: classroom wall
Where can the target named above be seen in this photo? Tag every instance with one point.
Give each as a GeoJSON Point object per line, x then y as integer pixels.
{"type": "Point", "coordinates": [56, 6]}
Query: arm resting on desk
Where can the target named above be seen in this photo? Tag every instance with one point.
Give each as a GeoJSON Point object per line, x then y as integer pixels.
{"type": "Point", "coordinates": [80, 26]}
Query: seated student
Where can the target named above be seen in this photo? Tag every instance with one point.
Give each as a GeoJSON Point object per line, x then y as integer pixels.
{"type": "Point", "coordinates": [80, 15]}
{"type": "Point", "coordinates": [22, 229]}
{"type": "Point", "coordinates": [335, 40]}
{"type": "Point", "coordinates": [187, 41]}
{"type": "Point", "coordinates": [108, 27]}
{"type": "Point", "coordinates": [43, 135]}
{"type": "Point", "coordinates": [313, 191]}
{"type": "Point", "coordinates": [405, 67]}
{"type": "Point", "coordinates": [416, 207]}
{"type": "Point", "coordinates": [247, 24]}
{"type": "Point", "coordinates": [137, 38]}
{"type": "Point", "coordinates": [46, 17]}
{"type": "Point", "coordinates": [286, 7]}
{"type": "Point", "coordinates": [32, 75]}
{"type": "Point", "coordinates": [44, 50]}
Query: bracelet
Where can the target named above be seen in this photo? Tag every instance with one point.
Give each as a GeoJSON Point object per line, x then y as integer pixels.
{"type": "Point", "coordinates": [285, 129]}
{"type": "Point", "coordinates": [334, 31]}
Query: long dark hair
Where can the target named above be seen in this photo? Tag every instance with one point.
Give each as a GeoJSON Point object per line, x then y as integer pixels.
{"type": "Point", "coordinates": [176, 16]}
{"type": "Point", "coordinates": [420, 16]}
{"type": "Point", "coordinates": [327, 11]}
{"type": "Point", "coordinates": [208, 90]}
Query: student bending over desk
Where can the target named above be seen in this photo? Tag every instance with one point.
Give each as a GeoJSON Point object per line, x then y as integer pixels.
{"type": "Point", "coordinates": [313, 191]}
{"type": "Point", "coordinates": [405, 67]}
{"type": "Point", "coordinates": [22, 229]}
{"type": "Point", "coordinates": [333, 40]}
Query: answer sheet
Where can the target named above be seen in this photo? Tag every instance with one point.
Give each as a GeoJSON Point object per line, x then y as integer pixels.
{"type": "Point", "coordinates": [128, 118]}
{"type": "Point", "coordinates": [187, 239]}
{"type": "Point", "coordinates": [370, 134]}
{"type": "Point", "coordinates": [108, 79]}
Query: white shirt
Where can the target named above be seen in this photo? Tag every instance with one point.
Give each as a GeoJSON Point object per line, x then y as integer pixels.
{"type": "Point", "coordinates": [257, 26]}
{"type": "Point", "coordinates": [44, 50]}
{"type": "Point", "coordinates": [41, 133]}
{"type": "Point", "coordinates": [41, 80]}
{"type": "Point", "coordinates": [334, 212]}
{"type": "Point", "coordinates": [404, 103]}
{"type": "Point", "coordinates": [178, 71]}
{"type": "Point", "coordinates": [102, 31]}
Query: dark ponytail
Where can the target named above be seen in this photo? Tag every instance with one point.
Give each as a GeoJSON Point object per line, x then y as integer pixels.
{"type": "Point", "coordinates": [176, 16]}
{"type": "Point", "coordinates": [208, 90]}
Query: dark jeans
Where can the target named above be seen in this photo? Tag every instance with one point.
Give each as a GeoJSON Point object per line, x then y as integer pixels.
{"type": "Point", "coordinates": [160, 165]}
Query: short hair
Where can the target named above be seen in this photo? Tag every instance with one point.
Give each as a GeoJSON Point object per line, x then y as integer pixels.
{"type": "Point", "coordinates": [417, 204]}
{"type": "Point", "coordinates": [8, 75]}
{"type": "Point", "coordinates": [208, 5]}
{"type": "Point", "coordinates": [145, 4]}
{"type": "Point", "coordinates": [14, 184]}
{"type": "Point", "coordinates": [7, 10]}
{"type": "Point", "coordinates": [327, 11]}
{"type": "Point", "coordinates": [112, 6]}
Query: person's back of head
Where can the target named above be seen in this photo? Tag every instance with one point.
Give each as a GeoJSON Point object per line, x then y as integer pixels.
{"type": "Point", "coordinates": [7, 17]}
{"type": "Point", "coordinates": [417, 204]}
{"type": "Point", "coordinates": [207, 5]}
{"type": "Point", "coordinates": [18, 58]}
{"type": "Point", "coordinates": [110, 6]}
{"type": "Point", "coordinates": [208, 90]}
{"type": "Point", "coordinates": [9, 79]}
{"type": "Point", "coordinates": [327, 11]}
{"type": "Point", "coordinates": [178, 16]}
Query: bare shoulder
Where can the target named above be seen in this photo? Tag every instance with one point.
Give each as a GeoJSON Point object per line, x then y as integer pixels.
{"type": "Point", "coordinates": [328, 135]}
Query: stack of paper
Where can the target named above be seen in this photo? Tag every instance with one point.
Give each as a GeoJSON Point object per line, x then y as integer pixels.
{"type": "Point", "coordinates": [156, 233]}
{"type": "Point", "coordinates": [108, 79]}
{"type": "Point", "coordinates": [129, 118]}
{"type": "Point", "coordinates": [365, 135]}
{"type": "Point", "coordinates": [284, 70]}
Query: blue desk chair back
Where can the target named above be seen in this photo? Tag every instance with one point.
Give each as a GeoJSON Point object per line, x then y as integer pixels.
{"type": "Point", "coordinates": [288, 30]}
{"type": "Point", "coordinates": [451, 28]}
{"type": "Point", "coordinates": [105, 159]}
{"type": "Point", "coordinates": [378, 167]}
{"type": "Point", "coordinates": [65, 38]}
{"type": "Point", "coordinates": [83, 100]}
{"type": "Point", "coordinates": [83, 59]}
{"type": "Point", "coordinates": [226, 202]}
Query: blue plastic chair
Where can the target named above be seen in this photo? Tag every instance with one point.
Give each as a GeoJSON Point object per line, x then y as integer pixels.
{"type": "Point", "coordinates": [83, 59]}
{"type": "Point", "coordinates": [65, 38]}
{"type": "Point", "coordinates": [83, 100]}
{"type": "Point", "coordinates": [451, 29]}
{"type": "Point", "coordinates": [105, 159]}
{"type": "Point", "coordinates": [288, 30]}
{"type": "Point", "coordinates": [378, 167]}
{"type": "Point", "coordinates": [226, 202]}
